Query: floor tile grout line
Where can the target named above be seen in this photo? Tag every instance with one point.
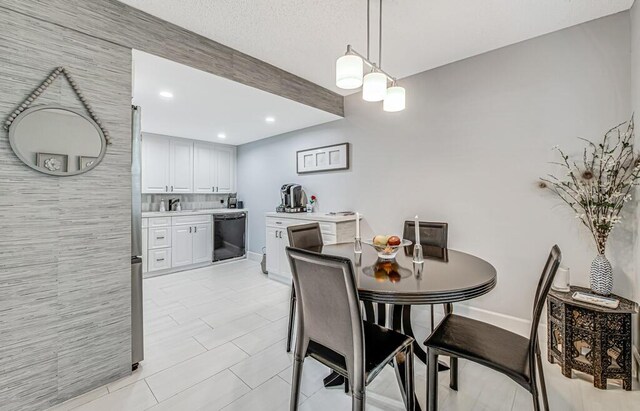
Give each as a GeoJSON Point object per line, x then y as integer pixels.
{"type": "Point", "coordinates": [152, 393]}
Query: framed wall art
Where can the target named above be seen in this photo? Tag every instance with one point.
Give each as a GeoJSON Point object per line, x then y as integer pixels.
{"type": "Point", "coordinates": [327, 158]}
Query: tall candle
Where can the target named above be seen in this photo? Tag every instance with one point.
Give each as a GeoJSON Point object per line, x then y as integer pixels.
{"type": "Point", "coordinates": [417, 230]}
{"type": "Point", "coordinates": [357, 225]}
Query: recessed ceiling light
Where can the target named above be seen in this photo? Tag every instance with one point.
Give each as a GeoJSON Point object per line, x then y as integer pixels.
{"type": "Point", "coordinates": [222, 135]}
{"type": "Point", "coordinates": [166, 94]}
{"type": "Point", "coordinates": [270, 119]}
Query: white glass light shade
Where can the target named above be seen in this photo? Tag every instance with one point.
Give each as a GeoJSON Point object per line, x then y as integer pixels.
{"type": "Point", "coordinates": [374, 87]}
{"type": "Point", "coordinates": [349, 72]}
{"type": "Point", "coordinates": [395, 99]}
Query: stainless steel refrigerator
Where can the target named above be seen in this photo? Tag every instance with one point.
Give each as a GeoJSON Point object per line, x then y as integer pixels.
{"type": "Point", "coordinates": [137, 334]}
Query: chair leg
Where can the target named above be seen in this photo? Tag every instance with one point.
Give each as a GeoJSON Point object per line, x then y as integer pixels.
{"type": "Point", "coordinates": [409, 379]}
{"type": "Point", "coordinates": [543, 386]}
{"type": "Point", "coordinates": [534, 391]}
{"type": "Point", "coordinates": [346, 386]}
{"type": "Point", "coordinates": [432, 381]}
{"type": "Point", "coordinates": [453, 373]}
{"type": "Point", "coordinates": [433, 321]}
{"type": "Point", "coordinates": [295, 384]}
{"type": "Point", "coordinates": [292, 312]}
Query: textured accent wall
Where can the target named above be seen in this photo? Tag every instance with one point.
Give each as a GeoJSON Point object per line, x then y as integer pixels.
{"type": "Point", "coordinates": [64, 242]}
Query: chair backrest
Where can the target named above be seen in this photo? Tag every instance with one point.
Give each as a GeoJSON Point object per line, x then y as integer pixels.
{"type": "Point", "coordinates": [434, 234]}
{"type": "Point", "coordinates": [328, 307]}
{"type": "Point", "coordinates": [544, 284]}
{"type": "Point", "coordinates": [305, 236]}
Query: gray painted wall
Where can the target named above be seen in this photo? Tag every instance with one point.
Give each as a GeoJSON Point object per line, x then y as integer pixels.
{"type": "Point", "coordinates": [468, 150]}
{"type": "Point", "coordinates": [635, 104]}
{"type": "Point", "coordinates": [65, 268]}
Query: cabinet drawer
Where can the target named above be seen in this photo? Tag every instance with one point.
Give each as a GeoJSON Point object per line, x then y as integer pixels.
{"type": "Point", "coordinates": [284, 222]}
{"type": "Point", "coordinates": [159, 222]}
{"type": "Point", "coordinates": [159, 237]}
{"type": "Point", "coordinates": [159, 259]}
{"type": "Point", "coordinates": [191, 219]}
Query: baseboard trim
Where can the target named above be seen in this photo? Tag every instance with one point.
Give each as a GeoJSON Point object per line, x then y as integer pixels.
{"type": "Point", "coordinates": [509, 322]}
{"type": "Point", "coordinates": [253, 256]}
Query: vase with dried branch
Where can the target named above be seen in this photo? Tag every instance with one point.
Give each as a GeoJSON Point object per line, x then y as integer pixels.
{"type": "Point", "coordinates": [597, 187]}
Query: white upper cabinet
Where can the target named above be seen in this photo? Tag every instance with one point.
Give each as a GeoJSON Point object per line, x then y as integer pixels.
{"type": "Point", "coordinates": [155, 163]}
{"type": "Point", "coordinates": [181, 166]}
{"type": "Point", "coordinates": [203, 168]}
{"type": "Point", "coordinates": [225, 169]}
{"type": "Point", "coordinates": [178, 165]}
{"type": "Point", "coordinates": [214, 168]}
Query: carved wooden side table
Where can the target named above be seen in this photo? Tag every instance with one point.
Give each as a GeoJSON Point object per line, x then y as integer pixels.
{"type": "Point", "coordinates": [590, 338]}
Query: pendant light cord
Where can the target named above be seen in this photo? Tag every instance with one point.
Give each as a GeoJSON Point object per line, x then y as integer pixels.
{"type": "Point", "coordinates": [380, 37]}
{"type": "Point", "coordinates": [368, 28]}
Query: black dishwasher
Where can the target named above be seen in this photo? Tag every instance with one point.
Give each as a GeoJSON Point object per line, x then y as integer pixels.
{"type": "Point", "coordinates": [229, 236]}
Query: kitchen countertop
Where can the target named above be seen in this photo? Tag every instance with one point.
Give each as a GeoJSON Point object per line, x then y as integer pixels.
{"type": "Point", "coordinates": [314, 216]}
{"type": "Point", "coordinates": [148, 214]}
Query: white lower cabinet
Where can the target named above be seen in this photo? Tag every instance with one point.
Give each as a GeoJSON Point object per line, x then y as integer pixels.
{"type": "Point", "coordinates": [202, 243]}
{"type": "Point", "coordinates": [159, 259]}
{"type": "Point", "coordinates": [176, 242]}
{"type": "Point", "coordinates": [277, 239]}
{"type": "Point", "coordinates": [182, 246]}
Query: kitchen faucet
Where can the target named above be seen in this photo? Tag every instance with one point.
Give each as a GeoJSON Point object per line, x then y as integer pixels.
{"type": "Point", "coordinates": [173, 202]}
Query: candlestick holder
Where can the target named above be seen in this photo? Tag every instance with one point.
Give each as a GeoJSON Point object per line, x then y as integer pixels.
{"type": "Point", "coordinates": [357, 246]}
{"type": "Point", "coordinates": [417, 254]}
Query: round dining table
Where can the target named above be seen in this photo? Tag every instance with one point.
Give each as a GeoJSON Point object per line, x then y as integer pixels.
{"type": "Point", "coordinates": [444, 277]}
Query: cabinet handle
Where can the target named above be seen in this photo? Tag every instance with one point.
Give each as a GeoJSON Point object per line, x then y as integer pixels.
{"type": "Point", "coordinates": [172, 189]}
{"type": "Point", "coordinates": [159, 259]}
{"type": "Point", "coordinates": [190, 229]}
{"type": "Point", "coordinates": [213, 189]}
{"type": "Point", "coordinates": [159, 238]}
{"type": "Point", "coordinates": [195, 229]}
{"type": "Point", "coordinates": [166, 188]}
{"type": "Point", "coordinates": [276, 234]}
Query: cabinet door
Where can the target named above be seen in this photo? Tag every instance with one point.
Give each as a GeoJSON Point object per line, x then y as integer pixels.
{"type": "Point", "coordinates": [202, 243]}
{"type": "Point", "coordinates": [159, 237]}
{"type": "Point", "coordinates": [285, 267]}
{"type": "Point", "coordinates": [181, 245]}
{"type": "Point", "coordinates": [273, 250]}
{"type": "Point", "coordinates": [225, 165]}
{"type": "Point", "coordinates": [203, 168]}
{"type": "Point", "coordinates": [155, 163]}
{"type": "Point", "coordinates": [181, 166]}
{"type": "Point", "coordinates": [145, 249]}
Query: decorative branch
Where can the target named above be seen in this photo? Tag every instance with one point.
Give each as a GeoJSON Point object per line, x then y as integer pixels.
{"type": "Point", "coordinates": [598, 189]}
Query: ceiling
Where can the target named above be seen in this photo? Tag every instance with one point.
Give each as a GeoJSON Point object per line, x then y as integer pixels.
{"type": "Point", "coordinates": [305, 37]}
{"type": "Point", "coordinates": [204, 105]}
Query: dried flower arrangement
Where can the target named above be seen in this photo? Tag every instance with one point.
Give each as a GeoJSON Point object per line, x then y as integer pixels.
{"type": "Point", "coordinates": [599, 185]}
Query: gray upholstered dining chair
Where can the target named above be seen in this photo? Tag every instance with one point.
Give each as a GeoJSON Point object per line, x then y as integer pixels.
{"type": "Point", "coordinates": [306, 236]}
{"type": "Point", "coordinates": [511, 354]}
{"type": "Point", "coordinates": [331, 330]}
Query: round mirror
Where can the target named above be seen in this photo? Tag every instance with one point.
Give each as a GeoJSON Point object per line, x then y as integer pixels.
{"type": "Point", "coordinates": [57, 140]}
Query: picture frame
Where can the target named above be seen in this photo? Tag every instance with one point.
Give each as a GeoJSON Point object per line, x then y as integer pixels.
{"type": "Point", "coordinates": [320, 159]}
{"type": "Point", "coordinates": [55, 163]}
{"type": "Point", "coordinates": [86, 162]}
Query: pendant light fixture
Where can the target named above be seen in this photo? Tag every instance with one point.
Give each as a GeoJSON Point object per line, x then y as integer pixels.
{"type": "Point", "coordinates": [350, 68]}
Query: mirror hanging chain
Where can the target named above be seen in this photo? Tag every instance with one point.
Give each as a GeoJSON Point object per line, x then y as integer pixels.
{"type": "Point", "coordinates": [41, 89]}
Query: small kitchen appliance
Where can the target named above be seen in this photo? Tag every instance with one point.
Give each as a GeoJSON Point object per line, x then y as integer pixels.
{"type": "Point", "coordinates": [293, 199]}
{"type": "Point", "coordinates": [232, 201]}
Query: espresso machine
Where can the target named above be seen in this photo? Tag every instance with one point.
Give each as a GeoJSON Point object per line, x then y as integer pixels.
{"type": "Point", "coordinates": [293, 199]}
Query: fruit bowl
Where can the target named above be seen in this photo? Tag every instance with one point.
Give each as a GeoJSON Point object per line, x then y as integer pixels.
{"type": "Point", "coordinates": [386, 251]}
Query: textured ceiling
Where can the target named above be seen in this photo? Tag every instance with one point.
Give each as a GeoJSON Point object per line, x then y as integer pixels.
{"type": "Point", "coordinates": [305, 37]}
{"type": "Point", "coordinates": [204, 105]}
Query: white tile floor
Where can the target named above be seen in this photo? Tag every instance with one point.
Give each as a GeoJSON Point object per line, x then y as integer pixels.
{"type": "Point", "coordinates": [215, 340]}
